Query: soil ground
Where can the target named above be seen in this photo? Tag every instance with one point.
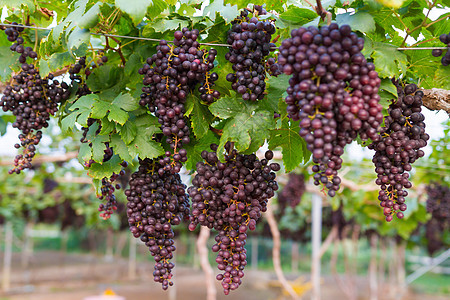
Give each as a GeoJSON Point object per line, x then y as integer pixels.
{"type": "Point", "coordinates": [56, 276]}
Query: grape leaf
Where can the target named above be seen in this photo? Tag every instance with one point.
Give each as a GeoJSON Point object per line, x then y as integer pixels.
{"type": "Point", "coordinates": [107, 126]}
{"type": "Point", "coordinates": [90, 18]}
{"type": "Point", "coordinates": [99, 147]}
{"type": "Point", "coordinates": [68, 122]}
{"type": "Point", "coordinates": [227, 107]}
{"type": "Point", "coordinates": [298, 16]}
{"type": "Point", "coordinates": [163, 25]}
{"type": "Point", "coordinates": [105, 77]}
{"type": "Point", "coordinates": [361, 21]}
{"type": "Point", "coordinates": [199, 114]}
{"type": "Point", "coordinates": [128, 132]}
{"type": "Point", "coordinates": [293, 147]}
{"type": "Point", "coordinates": [126, 102]}
{"type": "Point", "coordinates": [387, 85]}
{"type": "Point", "coordinates": [100, 109]}
{"type": "Point", "coordinates": [117, 115]}
{"type": "Point", "coordinates": [143, 144]}
{"type": "Point", "coordinates": [276, 87]}
{"type": "Point", "coordinates": [157, 7]}
{"type": "Point", "coordinates": [7, 60]}
{"type": "Point", "coordinates": [388, 61]}
{"type": "Point", "coordinates": [246, 127]}
{"type": "Point", "coordinates": [136, 9]}
{"type": "Point", "coordinates": [120, 148]}
{"type": "Point", "coordinates": [18, 4]}
{"type": "Point", "coordinates": [100, 171]}
{"type": "Point", "coordinates": [78, 41]}
{"type": "Point", "coordinates": [85, 153]}
{"type": "Point", "coordinates": [55, 62]}
{"type": "Point", "coordinates": [228, 12]}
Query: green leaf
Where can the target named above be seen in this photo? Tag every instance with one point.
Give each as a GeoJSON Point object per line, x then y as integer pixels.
{"type": "Point", "coordinates": [7, 60]}
{"type": "Point", "coordinates": [128, 132]}
{"type": "Point", "coordinates": [18, 4]}
{"type": "Point", "coordinates": [388, 61]}
{"type": "Point", "coordinates": [84, 102]}
{"type": "Point", "coordinates": [68, 122]}
{"type": "Point", "coordinates": [100, 109]}
{"type": "Point", "coordinates": [99, 147]}
{"type": "Point", "coordinates": [90, 18]}
{"type": "Point", "coordinates": [361, 21]}
{"type": "Point", "coordinates": [195, 148]}
{"type": "Point", "coordinates": [247, 128]}
{"type": "Point", "coordinates": [293, 146]}
{"type": "Point", "coordinates": [199, 114]}
{"type": "Point", "coordinates": [228, 12]}
{"type": "Point", "coordinates": [276, 87]}
{"type": "Point", "coordinates": [136, 8]}
{"type": "Point", "coordinates": [120, 148]}
{"type": "Point", "coordinates": [78, 41]}
{"type": "Point", "coordinates": [117, 115]}
{"type": "Point", "coordinates": [388, 86]}
{"type": "Point", "coordinates": [126, 102]}
{"type": "Point", "coordinates": [298, 16]}
{"type": "Point", "coordinates": [105, 77]}
{"type": "Point", "coordinates": [107, 126]}
{"type": "Point", "coordinates": [227, 107]}
{"type": "Point", "coordinates": [85, 153]}
{"type": "Point", "coordinates": [100, 171]}
{"type": "Point", "coordinates": [55, 62]}
{"type": "Point", "coordinates": [143, 145]}
{"type": "Point", "coordinates": [3, 126]}
{"type": "Point", "coordinates": [157, 7]}
{"type": "Point", "coordinates": [163, 25]}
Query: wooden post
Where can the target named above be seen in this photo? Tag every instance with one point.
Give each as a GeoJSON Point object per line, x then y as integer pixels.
{"type": "Point", "coordinates": [109, 252]}
{"type": "Point", "coordinates": [27, 248]}
{"type": "Point", "coordinates": [373, 282]}
{"type": "Point", "coordinates": [132, 258]}
{"type": "Point", "coordinates": [316, 240]}
{"type": "Point", "coordinates": [172, 294]}
{"type": "Point", "coordinates": [7, 257]}
{"type": "Point", "coordinates": [254, 262]}
{"type": "Point", "coordinates": [211, 291]}
{"type": "Point", "coordinates": [295, 257]}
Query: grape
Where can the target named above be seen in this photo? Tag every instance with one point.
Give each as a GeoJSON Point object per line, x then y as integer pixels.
{"type": "Point", "coordinates": [230, 198]}
{"type": "Point", "coordinates": [333, 92]}
{"type": "Point", "coordinates": [438, 202]}
{"type": "Point", "coordinates": [292, 192]}
{"type": "Point", "coordinates": [397, 148]}
{"type": "Point", "coordinates": [156, 201]}
{"type": "Point", "coordinates": [445, 60]}
{"type": "Point", "coordinates": [32, 100]}
{"type": "Point", "coordinates": [250, 46]}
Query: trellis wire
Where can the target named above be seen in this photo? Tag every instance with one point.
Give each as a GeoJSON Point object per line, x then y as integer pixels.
{"type": "Point", "coordinates": [206, 44]}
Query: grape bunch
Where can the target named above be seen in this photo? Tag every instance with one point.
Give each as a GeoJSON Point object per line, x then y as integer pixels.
{"type": "Point", "coordinates": [156, 201]}
{"type": "Point", "coordinates": [108, 186]}
{"type": "Point", "coordinates": [445, 60]}
{"type": "Point", "coordinates": [169, 76]}
{"type": "Point", "coordinates": [32, 100]}
{"type": "Point", "coordinates": [438, 203]}
{"type": "Point", "coordinates": [398, 148]}
{"type": "Point", "coordinates": [292, 192]}
{"type": "Point", "coordinates": [250, 47]}
{"type": "Point", "coordinates": [333, 91]}
{"type": "Point", "coordinates": [230, 198]}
